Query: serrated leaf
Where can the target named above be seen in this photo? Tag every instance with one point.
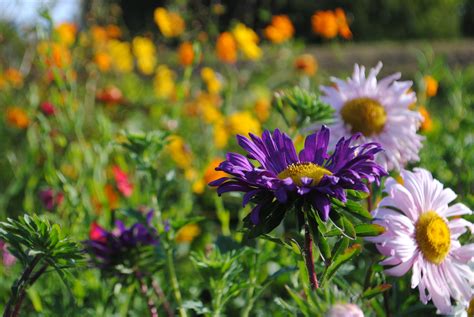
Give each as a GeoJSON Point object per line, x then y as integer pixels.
{"type": "Point", "coordinates": [374, 291]}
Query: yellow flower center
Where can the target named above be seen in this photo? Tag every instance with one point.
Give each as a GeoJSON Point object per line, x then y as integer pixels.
{"type": "Point", "coordinates": [470, 309]}
{"type": "Point", "coordinates": [433, 237]}
{"type": "Point", "coordinates": [364, 115]}
{"type": "Point", "coordinates": [306, 169]}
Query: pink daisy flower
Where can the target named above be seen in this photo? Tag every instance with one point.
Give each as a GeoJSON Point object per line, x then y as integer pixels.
{"type": "Point", "coordinates": [123, 184]}
{"type": "Point", "coordinates": [380, 111]}
{"type": "Point", "coordinates": [422, 233]}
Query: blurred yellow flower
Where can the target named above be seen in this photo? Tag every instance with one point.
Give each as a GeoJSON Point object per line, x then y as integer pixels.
{"type": "Point", "coordinates": [207, 105]}
{"type": "Point", "coordinates": [280, 30]}
{"type": "Point", "coordinates": [171, 24]}
{"type": "Point", "coordinates": [431, 86]}
{"type": "Point", "coordinates": [324, 23]}
{"type": "Point", "coordinates": [66, 33]}
{"type": "Point", "coordinates": [164, 82]}
{"type": "Point", "coordinates": [188, 233]}
{"type": "Point", "coordinates": [262, 108]}
{"type": "Point", "coordinates": [243, 123]}
{"type": "Point", "coordinates": [306, 64]}
{"type": "Point", "coordinates": [145, 53]}
{"type": "Point", "coordinates": [186, 54]}
{"type": "Point", "coordinates": [17, 117]}
{"type": "Point", "coordinates": [121, 55]}
{"type": "Point", "coordinates": [226, 48]}
{"type": "Point", "coordinates": [180, 152]}
{"type": "Point", "coordinates": [247, 41]}
{"type": "Point", "coordinates": [211, 79]}
{"type": "Point", "coordinates": [13, 77]}
{"type": "Point", "coordinates": [220, 136]}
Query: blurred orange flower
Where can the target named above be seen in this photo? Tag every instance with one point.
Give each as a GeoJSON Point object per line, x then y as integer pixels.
{"type": "Point", "coordinates": [13, 77]}
{"type": "Point", "coordinates": [329, 24]}
{"type": "Point", "coordinates": [17, 117]}
{"type": "Point", "coordinates": [113, 31]}
{"type": "Point", "coordinates": [262, 108]}
{"type": "Point", "coordinates": [55, 54]}
{"type": "Point", "coordinates": [186, 54]}
{"type": "Point", "coordinates": [112, 196]}
{"type": "Point", "coordinates": [226, 48]}
{"type": "Point", "coordinates": [306, 64]}
{"type": "Point", "coordinates": [324, 23]}
{"type": "Point", "coordinates": [210, 173]}
{"type": "Point", "coordinates": [280, 30]}
{"type": "Point", "coordinates": [343, 26]}
{"type": "Point", "coordinates": [171, 24]}
{"type": "Point", "coordinates": [103, 61]}
{"type": "Point", "coordinates": [66, 33]}
{"type": "Point", "coordinates": [427, 124]}
{"type": "Point", "coordinates": [431, 86]}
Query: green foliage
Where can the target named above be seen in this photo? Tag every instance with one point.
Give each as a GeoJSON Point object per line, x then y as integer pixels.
{"type": "Point", "coordinates": [308, 106]}
{"type": "Point", "coordinates": [32, 237]}
{"type": "Point", "coordinates": [36, 242]}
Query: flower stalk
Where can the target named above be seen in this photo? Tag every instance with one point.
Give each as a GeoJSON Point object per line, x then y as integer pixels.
{"type": "Point", "coordinates": [308, 258]}
{"type": "Point", "coordinates": [175, 283]}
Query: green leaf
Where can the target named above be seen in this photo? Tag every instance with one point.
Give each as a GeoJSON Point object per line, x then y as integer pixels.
{"type": "Point", "coordinates": [349, 230]}
{"type": "Point", "coordinates": [368, 230]}
{"type": "Point", "coordinates": [338, 262]}
{"type": "Point", "coordinates": [374, 291]}
{"type": "Point", "coordinates": [324, 248]}
{"type": "Point", "coordinates": [356, 195]}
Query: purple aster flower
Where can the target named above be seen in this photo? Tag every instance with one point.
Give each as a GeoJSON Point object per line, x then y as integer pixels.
{"type": "Point", "coordinates": [121, 246]}
{"type": "Point", "coordinates": [283, 177]}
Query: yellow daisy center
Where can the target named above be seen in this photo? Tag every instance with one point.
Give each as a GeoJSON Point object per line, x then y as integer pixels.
{"type": "Point", "coordinates": [306, 169]}
{"type": "Point", "coordinates": [433, 237]}
{"type": "Point", "coordinates": [364, 115]}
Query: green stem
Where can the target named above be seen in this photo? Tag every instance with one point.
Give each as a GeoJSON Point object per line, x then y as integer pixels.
{"type": "Point", "coordinates": [251, 290]}
{"type": "Point", "coordinates": [19, 288]}
{"type": "Point", "coordinates": [174, 282]}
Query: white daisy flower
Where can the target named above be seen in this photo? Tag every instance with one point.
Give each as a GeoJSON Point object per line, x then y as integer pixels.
{"type": "Point", "coordinates": [421, 233]}
{"type": "Point", "coordinates": [378, 110]}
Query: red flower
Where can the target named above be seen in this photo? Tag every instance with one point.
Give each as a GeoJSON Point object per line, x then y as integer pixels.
{"type": "Point", "coordinates": [48, 109]}
{"type": "Point", "coordinates": [97, 233]}
{"type": "Point", "coordinates": [123, 184]}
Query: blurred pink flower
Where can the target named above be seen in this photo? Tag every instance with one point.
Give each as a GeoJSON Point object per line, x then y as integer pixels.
{"type": "Point", "coordinates": [7, 257]}
{"type": "Point", "coordinates": [123, 184]}
{"type": "Point", "coordinates": [50, 199]}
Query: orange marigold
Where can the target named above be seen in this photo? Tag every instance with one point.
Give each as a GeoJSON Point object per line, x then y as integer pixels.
{"type": "Point", "coordinates": [427, 124]}
{"type": "Point", "coordinates": [431, 86]}
{"type": "Point", "coordinates": [17, 117]}
{"type": "Point", "coordinates": [226, 48]}
{"type": "Point", "coordinates": [280, 30]}
{"type": "Point", "coordinates": [186, 54]}
{"type": "Point", "coordinates": [14, 77]}
{"type": "Point", "coordinates": [306, 64]}
{"type": "Point", "coordinates": [325, 24]}
{"type": "Point", "coordinates": [210, 174]}
{"type": "Point", "coordinates": [343, 26]}
{"type": "Point", "coordinates": [187, 233]}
